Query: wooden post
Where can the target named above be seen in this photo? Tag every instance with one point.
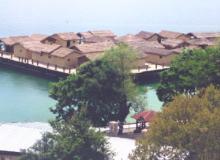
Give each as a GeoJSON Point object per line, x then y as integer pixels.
{"type": "Point", "coordinates": [32, 61]}
{"type": "Point", "coordinates": [11, 56]}
{"type": "Point", "coordinates": [69, 70]}
{"type": "Point", "coordinates": [37, 63]}
{"type": "Point", "coordinates": [63, 69]}
{"type": "Point", "coordinates": [55, 67]}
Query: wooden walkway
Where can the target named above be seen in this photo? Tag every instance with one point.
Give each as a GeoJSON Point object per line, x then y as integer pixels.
{"type": "Point", "coordinates": [9, 56]}
{"type": "Point", "coordinates": [149, 66]}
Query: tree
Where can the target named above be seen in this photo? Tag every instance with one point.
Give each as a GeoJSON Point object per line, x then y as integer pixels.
{"type": "Point", "coordinates": [70, 140]}
{"type": "Point", "coordinates": [104, 87]}
{"type": "Point", "coordinates": [190, 71]}
{"type": "Point", "coordinates": [187, 128]}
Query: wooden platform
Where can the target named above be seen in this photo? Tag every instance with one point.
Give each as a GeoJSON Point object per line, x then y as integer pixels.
{"type": "Point", "coordinates": [9, 56]}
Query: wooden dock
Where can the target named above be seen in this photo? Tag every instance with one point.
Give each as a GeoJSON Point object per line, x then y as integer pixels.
{"type": "Point", "coordinates": [37, 66]}
{"type": "Point", "coordinates": [9, 56]}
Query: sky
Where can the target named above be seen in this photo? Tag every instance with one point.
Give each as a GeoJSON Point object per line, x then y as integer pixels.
{"type": "Point", "coordinates": [122, 16]}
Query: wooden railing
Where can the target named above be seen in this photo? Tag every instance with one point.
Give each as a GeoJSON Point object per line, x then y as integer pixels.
{"type": "Point", "coordinates": [7, 55]}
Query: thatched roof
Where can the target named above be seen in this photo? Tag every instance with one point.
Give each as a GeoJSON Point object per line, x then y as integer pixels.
{"type": "Point", "coordinates": [151, 44]}
{"type": "Point", "coordinates": [129, 38]}
{"type": "Point", "coordinates": [136, 42]}
{"type": "Point", "coordinates": [15, 39]}
{"type": "Point", "coordinates": [38, 37]}
{"type": "Point", "coordinates": [103, 33]}
{"type": "Point", "coordinates": [203, 35]}
{"type": "Point", "coordinates": [173, 43]}
{"type": "Point", "coordinates": [63, 52]}
{"type": "Point", "coordinates": [85, 35]}
{"type": "Point", "coordinates": [201, 42]}
{"type": "Point", "coordinates": [97, 39]}
{"type": "Point", "coordinates": [93, 47]}
{"type": "Point", "coordinates": [170, 34]}
{"type": "Point", "coordinates": [146, 35]}
{"type": "Point", "coordinates": [38, 47]}
{"type": "Point", "coordinates": [66, 36]}
{"type": "Point", "coordinates": [158, 51]}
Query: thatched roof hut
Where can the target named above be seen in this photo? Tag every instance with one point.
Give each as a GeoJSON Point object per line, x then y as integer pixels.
{"type": "Point", "coordinates": [149, 36]}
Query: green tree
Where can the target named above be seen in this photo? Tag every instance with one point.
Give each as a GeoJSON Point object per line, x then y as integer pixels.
{"type": "Point", "coordinates": [188, 128]}
{"type": "Point", "coordinates": [104, 87]}
{"type": "Point", "coordinates": [70, 140]}
{"type": "Point", "coordinates": [190, 71]}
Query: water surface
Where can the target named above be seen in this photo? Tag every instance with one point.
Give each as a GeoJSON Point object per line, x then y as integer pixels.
{"type": "Point", "coordinates": [23, 97]}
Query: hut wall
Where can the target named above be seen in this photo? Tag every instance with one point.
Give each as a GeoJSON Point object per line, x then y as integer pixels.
{"type": "Point", "coordinates": [41, 58]}
{"type": "Point", "coordinates": [161, 60]}
{"type": "Point", "coordinates": [69, 61]}
{"type": "Point", "coordinates": [61, 42]}
{"type": "Point", "coordinates": [8, 157]}
{"type": "Point", "coordinates": [82, 60]}
{"type": "Point", "coordinates": [21, 52]}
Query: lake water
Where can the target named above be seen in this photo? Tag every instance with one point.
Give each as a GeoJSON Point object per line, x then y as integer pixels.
{"type": "Point", "coordinates": [25, 98]}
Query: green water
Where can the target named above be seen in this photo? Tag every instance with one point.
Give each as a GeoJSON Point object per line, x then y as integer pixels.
{"type": "Point", "coordinates": [149, 98]}
{"type": "Point", "coordinates": [24, 97]}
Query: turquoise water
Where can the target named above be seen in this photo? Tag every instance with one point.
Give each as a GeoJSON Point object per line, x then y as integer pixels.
{"type": "Point", "coordinates": [149, 98]}
{"type": "Point", "coordinates": [23, 97]}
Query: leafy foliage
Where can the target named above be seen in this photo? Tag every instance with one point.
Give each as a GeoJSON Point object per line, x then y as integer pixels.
{"type": "Point", "coordinates": [70, 140]}
{"type": "Point", "coordinates": [189, 72]}
{"type": "Point", "coordinates": [188, 128]}
{"type": "Point", "coordinates": [103, 87]}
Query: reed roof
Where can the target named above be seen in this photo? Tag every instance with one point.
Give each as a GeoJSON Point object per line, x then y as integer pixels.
{"type": "Point", "coordinates": [103, 33]}
{"type": "Point", "coordinates": [38, 47]}
{"type": "Point", "coordinates": [63, 52]}
{"type": "Point", "coordinates": [146, 35]}
{"type": "Point", "coordinates": [93, 47]}
{"type": "Point", "coordinates": [203, 35]}
{"type": "Point", "coordinates": [15, 39]}
{"type": "Point", "coordinates": [172, 43]}
{"type": "Point", "coordinates": [38, 37]}
{"type": "Point", "coordinates": [158, 51]}
{"type": "Point", "coordinates": [201, 42]}
{"type": "Point", "coordinates": [66, 36]}
{"type": "Point", "coordinates": [170, 34]}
